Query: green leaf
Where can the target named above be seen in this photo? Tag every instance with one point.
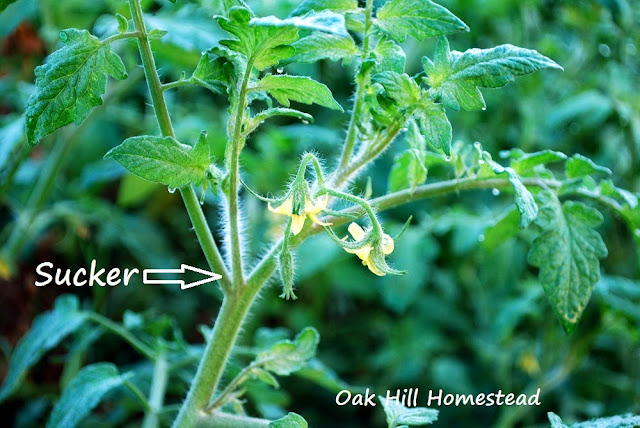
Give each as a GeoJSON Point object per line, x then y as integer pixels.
{"type": "Point", "coordinates": [555, 420]}
{"type": "Point", "coordinates": [217, 69]}
{"type": "Point", "coordinates": [389, 57]}
{"type": "Point", "coordinates": [619, 421]}
{"type": "Point", "coordinates": [408, 171]}
{"type": "Point", "coordinates": [83, 394]}
{"type": "Point", "coordinates": [320, 46]}
{"type": "Point", "coordinates": [302, 89]}
{"type": "Point", "coordinates": [292, 420]}
{"type": "Point", "coordinates": [580, 166]}
{"type": "Point", "coordinates": [529, 161]}
{"type": "Point", "coordinates": [5, 3]}
{"type": "Point", "coordinates": [418, 19]}
{"type": "Point", "coordinates": [567, 253]}
{"type": "Point", "coordinates": [266, 377]}
{"type": "Point", "coordinates": [400, 87]}
{"type": "Point", "coordinates": [47, 331]}
{"type": "Point", "coordinates": [123, 24]}
{"type": "Point", "coordinates": [71, 83]}
{"type": "Point", "coordinates": [261, 46]}
{"type": "Point", "coordinates": [286, 357]}
{"type": "Point", "coordinates": [318, 373]}
{"type": "Point", "coordinates": [325, 21]}
{"type": "Point", "coordinates": [398, 415]}
{"type": "Point", "coordinates": [435, 126]}
{"type": "Point", "coordinates": [524, 200]}
{"type": "Point", "coordinates": [455, 77]}
{"type": "Point", "coordinates": [162, 160]}
{"type": "Point", "coordinates": [338, 6]}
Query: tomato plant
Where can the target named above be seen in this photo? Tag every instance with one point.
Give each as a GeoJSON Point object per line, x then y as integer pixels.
{"type": "Point", "coordinates": [256, 70]}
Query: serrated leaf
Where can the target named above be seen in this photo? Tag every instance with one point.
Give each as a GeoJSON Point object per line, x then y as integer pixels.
{"type": "Point", "coordinates": [71, 83]}
{"type": "Point", "coordinates": [161, 160]}
{"type": "Point", "coordinates": [408, 171]}
{"type": "Point", "coordinates": [338, 6]}
{"type": "Point", "coordinates": [389, 57]}
{"type": "Point", "coordinates": [217, 68]}
{"type": "Point", "coordinates": [435, 126]}
{"type": "Point", "coordinates": [567, 253]}
{"type": "Point", "coordinates": [302, 89]}
{"type": "Point", "coordinates": [47, 331]}
{"type": "Point", "coordinates": [319, 46]}
{"type": "Point", "coordinates": [261, 46]}
{"type": "Point", "coordinates": [400, 87]}
{"type": "Point", "coordinates": [398, 415]}
{"type": "Point", "coordinates": [607, 188]}
{"type": "Point", "coordinates": [580, 166]}
{"type": "Point", "coordinates": [455, 77]}
{"type": "Point", "coordinates": [286, 357]}
{"type": "Point", "coordinates": [524, 200]}
{"type": "Point", "coordinates": [325, 21]}
{"type": "Point", "coordinates": [417, 18]}
{"type": "Point", "coordinates": [531, 160]}
{"type": "Point", "coordinates": [292, 420]}
{"type": "Point", "coordinates": [83, 394]}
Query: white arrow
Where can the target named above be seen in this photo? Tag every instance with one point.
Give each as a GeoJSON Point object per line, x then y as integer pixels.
{"type": "Point", "coordinates": [210, 276]}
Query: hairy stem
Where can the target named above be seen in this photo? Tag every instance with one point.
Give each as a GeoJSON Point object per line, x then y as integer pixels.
{"type": "Point", "coordinates": [361, 80]}
{"type": "Point", "coordinates": [233, 312]}
{"type": "Point", "coordinates": [203, 232]}
{"type": "Point", "coordinates": [237, 141]}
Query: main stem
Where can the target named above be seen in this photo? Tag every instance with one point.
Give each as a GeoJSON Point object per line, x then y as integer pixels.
{"type": "Point", "coordinates": [203, 232]}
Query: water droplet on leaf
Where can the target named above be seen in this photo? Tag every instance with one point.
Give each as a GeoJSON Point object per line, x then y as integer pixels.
{"type": "Point", "coordinates": [280, 70]}
{"type": "Point", "coordinates": [448, 158]}
{"type": "Point", "coordinates": [171, 189]}
{"type": "Point", "coordinates": [495, 192]}
{"type": "Point", "coordinates": [481, 238]}
{"type": "Point", "coordinates": [305, 122]}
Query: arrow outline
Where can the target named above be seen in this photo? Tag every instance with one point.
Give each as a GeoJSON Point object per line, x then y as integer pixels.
{"type": "Point", "coordinates": [212, 276]}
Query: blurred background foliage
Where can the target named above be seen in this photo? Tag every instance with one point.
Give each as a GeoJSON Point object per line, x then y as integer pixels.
{"type": "Point", "coordinates": [469, 317]}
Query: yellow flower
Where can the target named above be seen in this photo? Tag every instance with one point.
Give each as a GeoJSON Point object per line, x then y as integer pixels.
{"type": "Point", "coordinates": [364, 252]}
{"type": "Point", "coordinates": [310, 209]}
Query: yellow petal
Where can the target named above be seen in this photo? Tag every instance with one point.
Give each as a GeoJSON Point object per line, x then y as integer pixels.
{"type": "Point", "coordinates": [362, 253]}
{"type": "Point", "coordinates": [314, 218]}
{"type": "Point", "coordinates": [387, 244]}
{"type": "Point", "coordinates": [285, 208]}
{"type": "Point", "coordinates": [373, 268]}
{"type": "Point", "coordinates": [319, 205]}
{"type": "Point", "coordinates": [297, 223]}
{"type": "Point", "coordinates": [356, 231]}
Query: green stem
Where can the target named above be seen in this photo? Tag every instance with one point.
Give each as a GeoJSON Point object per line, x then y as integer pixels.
{"type": "Point", "coordinates": [129, 35]}
{"type": "Point", "coordinates": [203, 232]}
{"type": "Point", "coordinates": [116, 328]}
{"type": "Point", "coordinates": [361, 80]}
{"type": "Point", "coordinates": [237, 141]}
{"type": "Point", "coordinates": [156, 394]}
{"type": "Point", "coordinates": [139, 395]}
{"type": "Point", "coordinates": [234, 310]}
{"type": "Point", "coordinates": [220, 400]}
